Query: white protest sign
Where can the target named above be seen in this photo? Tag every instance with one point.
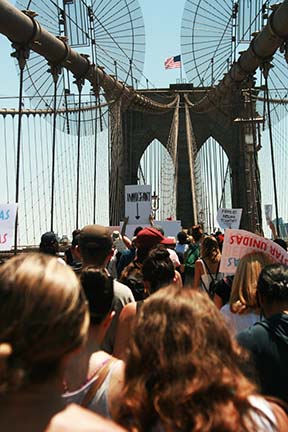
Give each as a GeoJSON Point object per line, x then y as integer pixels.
{"type": "Point", "coordinates": [238, 243]}
{"type": "Point", "coordinates": [7, 225]}
{"type": "Point", "coordinates": [171, 228]}
{"type": "Point", "coordinates": [138, 203]}
{"type": "Point", "coordinates": [229, 218]}
{"type": "Point", "coordinates": [268, 213]}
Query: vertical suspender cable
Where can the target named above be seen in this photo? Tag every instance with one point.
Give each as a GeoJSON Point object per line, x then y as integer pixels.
{"type": "Point", "coordinates": [257, 173]}
{"type": "Point", "coordinates": [212, 185]}
{"type": "Point", "coordinates": [265, 73]}
{"type": "Point", "coordinates": [79, 83]}
{"type": "Point", "coordinates": [55, 74]}
{"type": "Point", "coordinates": [216, 173]}
{"type": "Point", "coordinates": [6, 159]}
{"type": "Point", "coordinates": [95, 166]}
{"type": "Point", "coordinates": [21, 54]}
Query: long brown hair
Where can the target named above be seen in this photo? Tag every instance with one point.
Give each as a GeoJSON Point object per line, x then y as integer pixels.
{"type": "Point", "coordinates": [43, 316]}
{"type": "Point", "coordinates": [183, 368]}
{"type": "Point", "coordinates": [210, 249]}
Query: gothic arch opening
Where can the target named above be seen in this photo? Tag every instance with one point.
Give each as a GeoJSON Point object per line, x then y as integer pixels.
{"type": "Point", "coordinates": [213, 183]}
{"type": "Point", "coordinates": [156, 168]}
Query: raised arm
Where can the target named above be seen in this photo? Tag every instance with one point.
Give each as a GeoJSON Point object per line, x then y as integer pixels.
{"type": "Point", "coordinates": [198, 273]}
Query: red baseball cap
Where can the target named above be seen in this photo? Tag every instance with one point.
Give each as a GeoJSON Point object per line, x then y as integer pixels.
{"type": "Point", "coordinates": [148, 237]}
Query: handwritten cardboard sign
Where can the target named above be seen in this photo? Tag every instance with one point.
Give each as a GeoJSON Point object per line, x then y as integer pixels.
{"type": "Point", "coordinates": [138, 203]}
{"type": "Point", "coordinates": [238, 243]}
{"type": "Point", "coordinates": [229, 218]}
{"type": "Point", "coordinates": [7, 225]}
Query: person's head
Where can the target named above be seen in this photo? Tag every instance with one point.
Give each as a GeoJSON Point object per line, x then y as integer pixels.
{"type": "Point", "coordinates": [43, 318]}
{"type": "Point", "coordinates": [146, 239]}
{"type": "Point", "coordinates": [137, 230]}
{"type": "Point", "coordinates": [158, 269]}
{"type": "Point", "coordinates": [49, 244]}
{"type": "Point", "coordinates": [220, 239]}
{"type": "Point", "coordinates": [183, 367]}
{"type": "Point", "coordinates": [95, 243]}
{"type": "Point", "coordinates": [182, 237]}
{"type": "Point", "coordinates": [244, 286]}
{"type": "Point", "coordinates": [272, 288]}
{"type": "Point", "coordinates": [210, 248]}
{"type": "Point", "coordinates": [281, 243]}
{"type": "Point", "coordinates": [196, 232]}
{"type": "Point", "coordinates": [169, 242]}
{"type": "Point", "coordinates": [75, 238]}
{"type": "Point", "coordinates": [98, 287]}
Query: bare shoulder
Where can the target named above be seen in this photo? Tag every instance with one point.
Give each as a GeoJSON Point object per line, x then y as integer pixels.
{"type": "Point", "coordinates": [116, 386]}
{"type": "Point", "coordinates": [96, 360]}
{"type": "Point", "coordinates": [77, 419]}
{"type": "Point", "coordinates": [128, 312]}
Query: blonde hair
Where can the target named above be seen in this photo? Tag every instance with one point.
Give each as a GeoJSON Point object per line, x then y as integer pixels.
{"type": "Point", "coordinates": [244, 286]}
{"type": "Point", "coordinates": [43, 316]}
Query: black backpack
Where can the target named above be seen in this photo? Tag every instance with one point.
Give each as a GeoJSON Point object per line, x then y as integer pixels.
{"type": "Point", "coordinates": [212, 285]}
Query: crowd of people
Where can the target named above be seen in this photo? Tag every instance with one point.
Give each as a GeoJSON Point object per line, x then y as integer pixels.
{"type": "Point", "coordinates": [142, 335]}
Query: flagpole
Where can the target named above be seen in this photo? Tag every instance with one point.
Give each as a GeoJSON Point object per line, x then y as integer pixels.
{"type": "Point", "coordinates": [181, 78]}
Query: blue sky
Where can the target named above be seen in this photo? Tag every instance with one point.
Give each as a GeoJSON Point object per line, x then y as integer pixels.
{"type": "Point", "coordinates": [162, 19]}
{"type": "Point", "coordinates": [163, 24]}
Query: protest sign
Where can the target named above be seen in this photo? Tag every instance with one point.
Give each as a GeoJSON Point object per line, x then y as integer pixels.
{"type": "Point", "coordinates": [238, 243]}
{"type": "Point", "coordinates": [138, 203]}
{"type": "Point", "coordinates": [7, 225]}
{"type": "Point", "coordinates": [229, 218]}
{"type": "Point", "coordinates": [268, 213]}
{"type": "Point", "coordinates": [171, 228]}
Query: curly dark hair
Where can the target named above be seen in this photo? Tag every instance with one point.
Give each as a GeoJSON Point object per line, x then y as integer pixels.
{"type": "Point", "coordinates": [273, 283]}
{"type": "Point", "coordinates": [184, 368]}
{"type": "Point", "coordinates": [158, 269]}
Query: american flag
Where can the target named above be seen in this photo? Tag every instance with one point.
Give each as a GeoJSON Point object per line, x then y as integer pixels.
{"type": "Point", "coordinates": [173, 62]}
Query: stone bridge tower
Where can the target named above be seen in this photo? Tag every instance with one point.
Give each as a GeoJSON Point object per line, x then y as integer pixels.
{"type": "Point", "coordinates": [230, 126]}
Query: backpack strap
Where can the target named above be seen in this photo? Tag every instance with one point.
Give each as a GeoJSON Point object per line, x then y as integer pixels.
{"type": "Point", "coordinates": [210, 274]}
{"type": "Point", "coordinates": [213, 279]}
{"type": "Point", "coordinates": [101, 375]}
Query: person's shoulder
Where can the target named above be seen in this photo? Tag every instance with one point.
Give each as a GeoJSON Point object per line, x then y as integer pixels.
{"type": "Point", "coordinates": [77, 419]}
{"type": "Point", "coordinates": [122, 291]}
{"type": "Point", "coordinates": [254, 333]}
{"type": "Point", "coordinates": [129, 311]}
{"type": "Point", "coordinates": [263, 414]}
{"type": "Point", "coordinates": [225, 310]}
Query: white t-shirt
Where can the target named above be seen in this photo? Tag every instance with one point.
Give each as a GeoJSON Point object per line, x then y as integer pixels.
{"type": "Point", "coordinates": [238, 322]}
